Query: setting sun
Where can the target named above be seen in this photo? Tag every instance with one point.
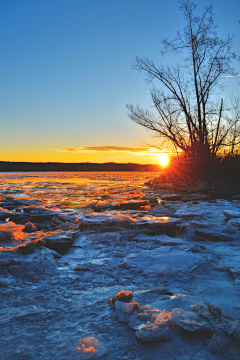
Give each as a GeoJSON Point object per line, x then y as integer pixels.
{"type": "Point", "coordinates": [163, 160]}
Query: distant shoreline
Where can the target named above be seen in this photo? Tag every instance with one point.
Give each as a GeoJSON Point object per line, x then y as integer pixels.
{"type": "Point", "coordinates": [9, 166]}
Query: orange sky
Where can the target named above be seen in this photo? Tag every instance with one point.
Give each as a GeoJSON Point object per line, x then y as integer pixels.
{"type": "Point", "coordinates": [101, 154]}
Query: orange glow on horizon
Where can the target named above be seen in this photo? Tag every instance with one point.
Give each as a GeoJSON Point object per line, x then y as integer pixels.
{"type": "Point", "coordinates": [22, 153]}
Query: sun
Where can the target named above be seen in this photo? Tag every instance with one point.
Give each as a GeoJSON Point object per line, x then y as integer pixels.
{"type": "Point", "coordinates": [163, 160]}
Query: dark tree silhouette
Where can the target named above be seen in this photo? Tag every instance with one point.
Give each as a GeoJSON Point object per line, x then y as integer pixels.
{"type": "Point", "coordinates": [189, 114]}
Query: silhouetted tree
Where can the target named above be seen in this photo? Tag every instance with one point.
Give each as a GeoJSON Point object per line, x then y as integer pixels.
{"type": "Point", "coordinates": [189, 115]}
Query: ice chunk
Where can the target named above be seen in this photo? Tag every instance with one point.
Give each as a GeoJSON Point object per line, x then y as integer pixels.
{"type": "Point", "coordinates": [153, 332]}
{"type": "Point", "coordinates": [90, 348]}
{"type": "Point", "coordinates": [154, 263]}
{"type": "Point", "coordinates": [32, 267]}
{"type": "Point", "coordinates": [231, 214]}
{"type": "Point", "coordinates": [124, 295]}
{"type": "Point", "coordinates": [235, 222]}
{"type": "Point", "coordinates": [124, 309]}
{"type": "Point", "coordinates": [4, 213]}
{"type": "Point", "coordinates": [172, 197]}
{"type": "Point", "coordinates": [188, 213]}
{"type": "Point", "coordinates": [12, 231]}
{"type": "Point", "coordinates": [190, 321]}
{"type": "Point", "coordinates": [153, 323]}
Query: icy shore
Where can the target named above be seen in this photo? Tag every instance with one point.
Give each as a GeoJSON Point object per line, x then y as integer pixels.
{"type": "Point", "coordinates": [111, 269]}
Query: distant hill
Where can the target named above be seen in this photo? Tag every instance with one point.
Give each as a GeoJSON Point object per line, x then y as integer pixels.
{"type": "Point", "coordinates": [7, 166]}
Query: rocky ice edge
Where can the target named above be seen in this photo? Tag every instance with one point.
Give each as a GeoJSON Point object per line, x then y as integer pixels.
{"type": "Point", "coordinates": [163, 319]}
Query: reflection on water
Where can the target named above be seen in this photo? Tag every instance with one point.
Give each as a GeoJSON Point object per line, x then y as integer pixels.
{"type": "Point", "coordinates": [74, 190]}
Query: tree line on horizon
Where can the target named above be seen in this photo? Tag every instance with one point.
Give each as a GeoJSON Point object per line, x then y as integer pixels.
{"type": "Point", "coordinates": [8, 166]}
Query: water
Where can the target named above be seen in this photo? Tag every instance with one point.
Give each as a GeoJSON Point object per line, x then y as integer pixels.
{"type": "Point", "coordinates": [74, 190]}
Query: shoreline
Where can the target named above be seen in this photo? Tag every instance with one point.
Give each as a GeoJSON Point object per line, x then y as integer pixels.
{"type": "Point", "coordinates": [10, 166]}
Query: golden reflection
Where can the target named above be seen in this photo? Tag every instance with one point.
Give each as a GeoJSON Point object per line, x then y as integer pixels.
{"type": "Point", "coordinates": [84, 349]}
{"type": "Point", "coordinates": [77, 190]}
{"type": "Point", "coordinates": [13, 231]}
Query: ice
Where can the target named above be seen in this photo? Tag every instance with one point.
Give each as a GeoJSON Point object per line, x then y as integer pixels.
{"type": "Point", "coordinates": [25, 312]}
{"type": "Point", "coordinates": [34, 266]}
{"type": "Point", "coordinates": [231, 214]}
{"type": "Point", "coordinates": [4, 213]}
{"type": "Point", "coordinates": [230, 260]}
{"type": "Point", "coordinates": [235, 222]}
{"type": "Point", "coordinates": [59, 241]}
{"type": "Point", "coordinates": [156, 222]}
{"type": "Point", "coordinates": [99, 219]}
{"type": "Point", "coordinates": [154, 263]}
{"type": "Point", "coordinates": [172, 197]}
{"type": "Point", "coordinates": [90, 348]}
{"type": "Point", "coordinates": [163, 239]}
{"type": "Point", "coordinates": [160, 320]}
{"type": "Point", "coordinates": [170, 269]}
{"type": "Point", "coordinates": [190, 321]}
{"type": "Point", "coordinates": [188, 213]}
{"type": "Point", "coordinates": [11, 231]}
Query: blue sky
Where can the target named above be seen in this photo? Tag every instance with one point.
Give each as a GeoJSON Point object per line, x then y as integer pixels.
{"type": "Point", "coordinates": [66, 77]}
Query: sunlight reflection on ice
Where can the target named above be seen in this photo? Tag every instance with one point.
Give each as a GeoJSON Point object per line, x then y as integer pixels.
{"type": "Point", "coordinates": [75, 190]}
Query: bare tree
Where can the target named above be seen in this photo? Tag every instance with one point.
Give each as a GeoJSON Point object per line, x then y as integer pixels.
{"type": "Point", "coordinates": [232, 141]}
{"type": "Point", "coordinates": [188, 114]}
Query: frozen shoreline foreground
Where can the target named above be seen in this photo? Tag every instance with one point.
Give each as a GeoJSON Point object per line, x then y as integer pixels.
{"type": "Point", "coordinates": [176, 261]}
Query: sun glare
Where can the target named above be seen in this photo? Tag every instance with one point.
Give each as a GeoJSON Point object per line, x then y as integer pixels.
{"type": "Point", "coordinates": [163, 160]}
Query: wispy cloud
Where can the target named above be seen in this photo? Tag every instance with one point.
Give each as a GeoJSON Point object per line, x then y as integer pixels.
{"type": "Point", "coordinates": [67, 150]}
{"type": "Point", "coordinates": [114, 148]}
{"type": "Point", "coordinates": [229, 76]}
{"type": "Point", "coordinates": [141, 151]}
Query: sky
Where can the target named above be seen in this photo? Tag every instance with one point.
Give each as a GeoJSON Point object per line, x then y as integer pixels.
{"type": "Point", "coordinates": [66, 77]}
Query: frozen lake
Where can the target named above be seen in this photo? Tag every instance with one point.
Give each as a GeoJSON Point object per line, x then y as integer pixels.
{"type": "Point", "coordinates": [72, 241]}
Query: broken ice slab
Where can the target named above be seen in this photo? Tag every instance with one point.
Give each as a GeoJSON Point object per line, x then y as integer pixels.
{"type": "Point", "coordinates": [115, 218]}
{"type": "Point", "coordinates": [155, 222]}
{"type": "Point", "coordinates": [15, 313]}
{"type": "Point", "coordinates": [59, 241]}
{"type": "Point", "coordinates": [188, 213]}
{"type": "Point", "coordinates": [200, 224]}
{"type": "Point", "coordinates": [39, 213]}
{"type": "Point", "coordinates": [110, 218]}
{"type": "Point", "coordinates": [33, 266]}
{"type": "Point", "coordinates": [179, 313]}
{"type": "Point", "coordinates": [162, 239]}
{"type": "Point", "coordinates": [4, 213]}
{"type": "Point", "coordinates": [151, 198]}
{"type": "Point", "coordinates": [90, 348]}
{"type": "Point", "coordinates": [235, 222]}
{"type": "Point", "coordinates": [11, 231]}
{"type": "Point", "coordinates": [213, 234]}
{"type": "Point", "coordinates": [231, 214]}
{"type": "Point", "coordinates": [190, 321]}
{"type": "Point", "coordinates": [172, 197]}
{"type": "Point", "coordinates": [158, 261]}
{"type": "Point", "coordinates": [133, 204]}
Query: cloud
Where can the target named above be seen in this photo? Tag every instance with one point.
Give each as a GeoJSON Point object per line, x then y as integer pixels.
{"type": "Point", "coordinates": [229, 76]}
{"type": "Point", "coordinates": [67, 150]}
{"type": "Point", "coordinates": [141, 151]}
{"type": "Point", "coordinates": [114, 148]}
{"type": "Point", "coordinates": [104, 148]}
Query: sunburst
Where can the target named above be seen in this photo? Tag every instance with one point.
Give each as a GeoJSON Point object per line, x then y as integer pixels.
{"type": "Point", "coordinates": [163, 160]}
